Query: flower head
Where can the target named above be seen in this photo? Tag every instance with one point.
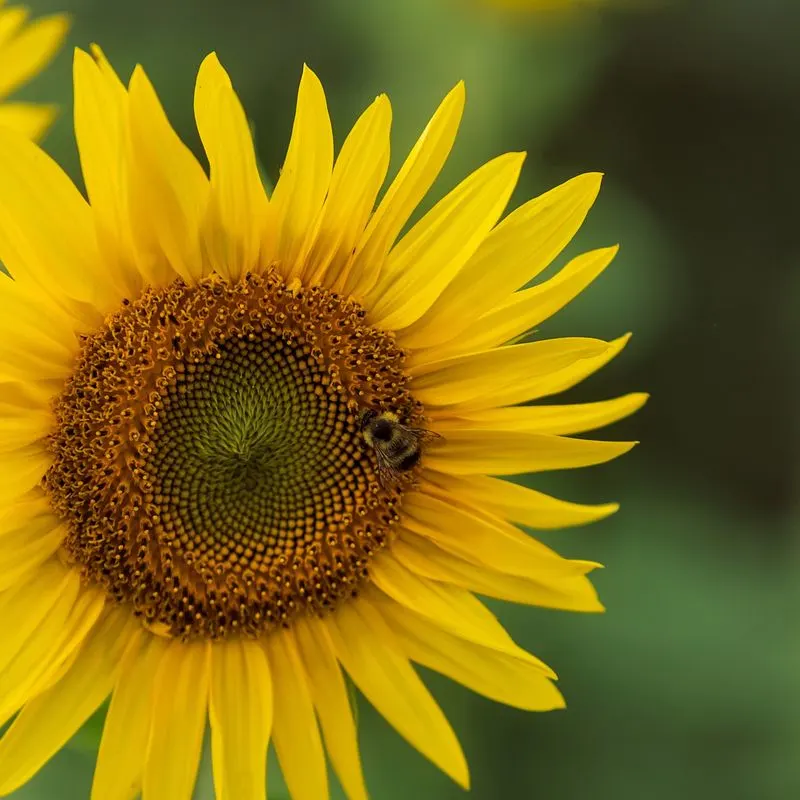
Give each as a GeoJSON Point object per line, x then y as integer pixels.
{"type": "Point", "coordinates": [25, 50]}
{"type": "Point", "coordinates": [247, 442]}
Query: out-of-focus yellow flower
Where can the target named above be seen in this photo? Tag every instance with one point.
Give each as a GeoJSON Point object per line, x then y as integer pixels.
{"type": "Point", "coordinates": [26, 48]}
{"type": "Point", "coordinates": [249, 444]}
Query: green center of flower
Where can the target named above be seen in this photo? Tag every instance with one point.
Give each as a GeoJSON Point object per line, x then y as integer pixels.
{"type": "Point", "coordinates": [209, 459]}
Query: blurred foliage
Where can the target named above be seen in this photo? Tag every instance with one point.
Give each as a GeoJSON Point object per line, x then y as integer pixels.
{"type": "Point", "coordinates": [690, 685]}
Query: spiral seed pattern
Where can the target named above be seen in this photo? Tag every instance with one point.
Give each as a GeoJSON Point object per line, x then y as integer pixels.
{"type": "Point", "coordinates": [208, 459]}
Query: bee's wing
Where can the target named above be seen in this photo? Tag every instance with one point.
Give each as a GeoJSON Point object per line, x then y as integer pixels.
{"type": "Point", "coordinates": [424, 435]}
{"type": "Point", "coordinates": [387, 475]}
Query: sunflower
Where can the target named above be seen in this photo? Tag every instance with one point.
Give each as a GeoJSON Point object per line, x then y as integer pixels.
{"type": "Point", "coordinates": [194, 519]}
{"type": "Point", "coordinates": [25, 50]}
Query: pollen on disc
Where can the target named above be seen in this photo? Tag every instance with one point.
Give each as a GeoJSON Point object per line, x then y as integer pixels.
{"type": "Point", "coordinates": [208, 458]}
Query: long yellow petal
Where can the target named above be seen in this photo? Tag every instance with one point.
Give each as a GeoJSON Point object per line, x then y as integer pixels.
{"type": "Point", "coordinates": [524, 310]}
{"type": "Point", "coordinates": [411, 184]}
{"type": "Point", "coordinates": [11, 20]}
{"type": "Point", "coordinates": [21, 429]}
{"type": "Point", "coordinates": [483, 539]}
{"type": "Point", "coordinates": [517, 250]}
{"type": "Point", "coordinates": [519, 372]}
{"type": "Point", "coordinates": [29, 119]}
{"type": "Point", "coordinates": [428, 257]}
{"type": "Point", "coordinates": [168, 190]}
{"type": "Point", "coordinates": [455, 378]}
{"type": "Point", "coordinates": [21, 470]}
{"type": "Point", "coordinates": [369, 651]}
{"type": "Point", "coordinates": [27, 608]}
{"type": "Point", "coordinates": [25, 509]}
{"type": "Point", "coordinates": [101, 133]}
{"type": "Point", "coordinates": [518, 503]}
{"type": "Point", "coordinates": [25, 412]}
{"type": "Point", "coordinates": [240, 711]}
{"type": "Point", "coordinates": [32, 322]}
{"type": "Point", "coordinates": [496, 675]}
{"type": "Point", "coordinates": [449, 606]}
{"type": "Point", "coordinates": [121, 757]}
{"type": "Point", "coordinates": [509, 452]}
{"type": "Point", "coordinates": [180, 700]}
{"type": "Point", "coordinates": [358, 174]}
{"type": "Point", "coordinates": [27, 53]}
{"type": "Point", "coordinates": [25, 548]}
{"type": "Point", "coordinates": [577, 418]}
{"type": "Point", "coordinates": [38, 651]}
{"type": "Point", "coordinates": [295, 731]}
{"type": "Point", "coordinates": [47, 237]}
{"type": "Point", "coordinates": [569, 591]}
{"type": "Point", "coordinates": [46, 723]}
{"type": "Point", "coordinates": [237, 207]}
{"type": "Point", "coordinates": [83, 615]}
{"type": "Point", "coordinates": [304, 179]}
{"type": "Point", "coordinates": [331, 700]}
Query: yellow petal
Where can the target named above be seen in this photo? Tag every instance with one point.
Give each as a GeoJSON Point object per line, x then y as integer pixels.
{"type": "Point", "coordinates": [240, 710]}
{"type": "Point", "coordinates": [524, 310]}
{"type": "Point", "coordinates": [11, 20]}
{"type": "Point", "coordinates": [25, 414]}
{"type": "Point", "coordinates": [101, 132]}
{"type": "Point", "coordinates": [576, 418]}
{"type": "Point", "coordinates": [519, 503]}
{"type": "Point", "coordinates": [357, 176]}
{"type": "Point", "coordinates": [27, 53]}
{"type": "Point", "coordinates": [105, 66]}
{"type": "Point", "coordinates": [450, 607]}
{"type": "Point", "coordinates": [46, 723]}
{"type": "Point", "coordinates": [329, 692]}
{"type": "Point", "coordinates": [504, 364]}
{"type": "Point", "coordinates": [295, 732]}
{"type": "Point", "coordinates": [17, 397]}
{"type": "Point", "coordinates": [304, 179]}
{"type": "Point", "coordinates": [31, 322]}
{"type": "Point", "coordinates": [415, 177]}
{"type": "Point", "coordinates": [428, 257]}
{"type": "Point", "coordinates": [24, 510]}
{"type": "Point", "coordinates": [517, 250]}
{"type": "Point", "coordinates": [20, 430]}
{"type": "Point", "coordinates": [23, 549]}
{"type": "Point", "coordinates": [39, 339]}
{"type": "Point", "coordinates": [29, 653]}
{"type": "Point", "coordinates": [238, 205]}
{"type": "Point", "coordinates": [368, 650]}
{"type": "Point", "coordinates": [483, 539]}
{"type": "Point", "coordinates": [121, 757]}
{"type": "Point", "coordinates": [179, 715]}
{"type": "Point", "coordinates": [569, 591]}
{"type": "Point", "coordinates": [21, 470]}
{"type": "Point", "coordinates": [508, 452]}
{"type": "Point", "coordinates": [168, 190]}
{"type": "Point", "coordinates": [47, 238]}
{"type": "Point", "coordinates": [29, 119]}
{"type": "Point", "coordinates": [519, 372]}
{"type": "Point", "coordinates": [26, 610]}
{"type": "Point", "coordinates": [501, 677]}
{"type": "Point", "coordinates": [83, 615]}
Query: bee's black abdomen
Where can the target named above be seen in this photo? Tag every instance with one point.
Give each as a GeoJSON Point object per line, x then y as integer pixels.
{"type": "Point", "coordinates": [382, 430]}
{"type": "Point", "coordinates": [409, 461]}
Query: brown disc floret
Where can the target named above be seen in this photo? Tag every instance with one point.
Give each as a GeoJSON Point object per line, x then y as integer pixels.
{"type": "Point", "coordinates": [208, 458]}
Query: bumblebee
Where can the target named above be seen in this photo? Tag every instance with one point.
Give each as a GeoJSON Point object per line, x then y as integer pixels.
{"type": "Point", "coordinates": [397, 447]}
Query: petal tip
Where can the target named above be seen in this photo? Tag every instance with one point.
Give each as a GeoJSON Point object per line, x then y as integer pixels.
{"type": "Point", "coordinates": [458, 94]}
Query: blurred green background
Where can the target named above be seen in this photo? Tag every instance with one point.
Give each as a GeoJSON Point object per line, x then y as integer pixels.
{"type": "Point", "coordinates": [690, 685]}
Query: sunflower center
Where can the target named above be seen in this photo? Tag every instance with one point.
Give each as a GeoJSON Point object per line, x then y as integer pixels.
{"type": "Point", "coordinates": [209, 461]}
